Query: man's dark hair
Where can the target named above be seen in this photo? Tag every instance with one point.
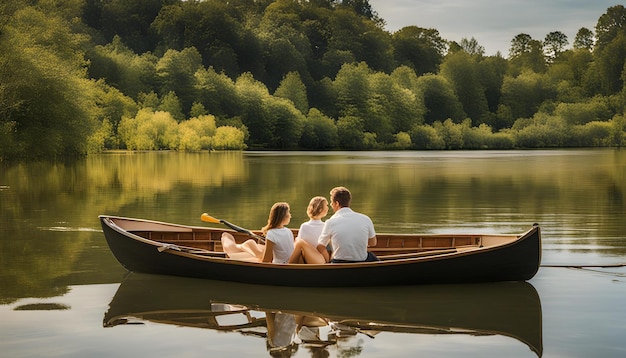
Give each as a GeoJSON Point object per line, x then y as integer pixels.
{"type": "Point", "coordinates": [341, 195]}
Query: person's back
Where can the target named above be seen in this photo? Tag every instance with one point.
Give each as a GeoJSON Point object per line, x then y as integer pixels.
{"type": "Point", "coordinates": [282, 248]}
{"type": "Point", "coordinates": [305, 249]}
{"type": "Point", "coordinates": [310, 231]}
{"type": "Point", "coordinates": [278, 238]}
{"type": "Point", "coordinates": [349, 232]}
{"type": "Point", "coordinates": [279, 243]}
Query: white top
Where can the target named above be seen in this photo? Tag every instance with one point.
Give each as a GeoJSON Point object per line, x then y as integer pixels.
{"type": "Point", "coordinates": [285, 329]}
{"type": "Point", "coordinates": [349, 232]}
{"type": "Point", "coordinates": [283, 244]}
{"type": "Point", "coordinates": [310, 231]}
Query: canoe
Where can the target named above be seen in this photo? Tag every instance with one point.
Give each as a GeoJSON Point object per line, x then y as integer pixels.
{"type": "Point", "coordinates": [164, 248]}
{"type": "Point", "coordinates": [511, 309]}
{"type": "Point", "coordinates": [155, 247]}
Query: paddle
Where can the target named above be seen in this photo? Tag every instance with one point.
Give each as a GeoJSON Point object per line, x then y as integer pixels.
{"type": "Point", "coordinates": [208, 218]}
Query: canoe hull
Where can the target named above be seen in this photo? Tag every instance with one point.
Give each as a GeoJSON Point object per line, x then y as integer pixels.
{"type": "Point", "coordinates": [517, 261]}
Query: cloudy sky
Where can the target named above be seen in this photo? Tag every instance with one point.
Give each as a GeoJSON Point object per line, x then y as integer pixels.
{"type": "Point", "coordinates": [493, 23]}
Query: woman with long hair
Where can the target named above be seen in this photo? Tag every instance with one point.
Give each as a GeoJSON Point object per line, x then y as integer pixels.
{"type": "Point", "coordinates": [279, 242]}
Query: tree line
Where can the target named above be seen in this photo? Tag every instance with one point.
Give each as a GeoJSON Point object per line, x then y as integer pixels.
{"type": "Point", "coordinates": [82, 76]}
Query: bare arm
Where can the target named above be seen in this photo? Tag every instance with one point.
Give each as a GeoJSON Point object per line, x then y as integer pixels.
{"type": "Point", "coordinates": [372, 241]}
{"type": "Point", "coordinates": [322, 250]}
{"type": "Point", "coordinates": [268, 253]}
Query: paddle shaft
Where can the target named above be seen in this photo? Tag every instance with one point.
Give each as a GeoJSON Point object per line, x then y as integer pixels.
{"type": "Point", "coordinates": [206, 217]}
{"type": "Point", "coordinates": [240, 229]}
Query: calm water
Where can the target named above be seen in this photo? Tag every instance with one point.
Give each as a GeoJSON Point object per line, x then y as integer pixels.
{"type": "Point", "coordinates": [62, 294]}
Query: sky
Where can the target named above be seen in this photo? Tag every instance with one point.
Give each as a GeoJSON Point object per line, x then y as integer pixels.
{"type": "Point", "coordinates": [493, 23]}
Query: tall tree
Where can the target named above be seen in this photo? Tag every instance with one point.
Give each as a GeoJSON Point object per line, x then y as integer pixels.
{"type": "Point", "coordinates": [122, 68]}
{"type": "Point", "coordinates": [363, 8]}
{"type": "Point", "coordinates": [520, 45]}
{"type": "Point", "coordinates": [572, 67]}
{"type": "Point", "coordinates": [319, 132]}
{"type": "Point", "coordinates": [472, 47]}
{"type": "Point", "coordinates": [214, 28]}
{"type": "Point", "coordinates": [525, 93]}
{"type": "Point", "coordinates": [171, 104]}
{"type": "Point", "coordinates": [216, 92]}
{"type": "Point", "coordinates": [554, 44]}
{"type": "Point", "coordinates": [492, 72]}
{"type": "Point", "coordinates": [439, 99]}
{"type": "Point", "coordinates": [379, 116]}
{"type": "Point", "coordinates": [357, 36]}
{"type": "Point", "coordinates": [405, 77]}
{"type": "Point", "coordinates": [251, 95]}
{"type": "Point", "coordinates": [610, 51]}
{"type": "Point", "coordinates": [526, 54]}
{"type": "Point", "coordinates": [286, 49]}
{"type": "Point", "coordinates": [48, 105]}
{"type": "Point", "coordinates": [610, 65]}
{"type": "Point", "coordinates": [351, 132]}
{"type": "Point", "coordinates": [378, 48]}
{"type": "Point", "coordinates": [129, 19]}
{"type": "Point", "coordinates": [292, 88]}
{"type": "Point", "coordinates": [399, 106]}
{"type": "Point", "coordinates": [463, 72]}
{"type": "Point", "coordinates": [610, 25]}
{"type": "Point", "coordinates": [584, 39]}
{"type": "Point", "coordinates": [352, 88]}
{"type": "Point", "coordinates": [288, 122]}
{"type": "Point", "coordinates": [419, 48]}
{"type": "Point", "coordinates": [176, 71]}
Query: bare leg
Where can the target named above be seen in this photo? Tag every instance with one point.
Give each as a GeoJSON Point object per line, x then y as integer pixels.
{"type": "Point", "coordinates": [304, 250]}
{"type": "Point", "coordinates": [248, 250]}
{"type": "Point", "coordinates": [251, 247]}
{"type": "Point", "coordinates": [228, 244]}
{"type": "Point", "coordinates": [296, 255]}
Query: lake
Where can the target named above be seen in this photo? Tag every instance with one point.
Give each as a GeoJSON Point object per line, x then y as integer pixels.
{"type": "Point", "coordinates": [63, 294]}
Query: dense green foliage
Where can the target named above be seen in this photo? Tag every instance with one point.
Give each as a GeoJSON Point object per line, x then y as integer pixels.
{"type": "Point", "coordinates": [80, 76]}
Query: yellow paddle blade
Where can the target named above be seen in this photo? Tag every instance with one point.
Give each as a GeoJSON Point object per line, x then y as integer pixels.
{"type": "Point", "coordinates": [208, 218]}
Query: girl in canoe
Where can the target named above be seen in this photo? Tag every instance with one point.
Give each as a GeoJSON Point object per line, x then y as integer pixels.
{"type": "Point", "coordinates": [305, 247]}
{"type": "Point", "coordinates": [279, 242]}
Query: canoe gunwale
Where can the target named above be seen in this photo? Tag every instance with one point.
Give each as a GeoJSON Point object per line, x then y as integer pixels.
{"type": "Point", "coordinates": [216, 261]}
{"type": "Point", "coordinates": [218, 255]}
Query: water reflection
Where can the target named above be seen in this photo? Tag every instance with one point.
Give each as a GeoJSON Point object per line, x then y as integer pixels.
{"type": "Point", "coordinates": [320, 318]}
{"type": "Point", "coordinates": [51, 247]}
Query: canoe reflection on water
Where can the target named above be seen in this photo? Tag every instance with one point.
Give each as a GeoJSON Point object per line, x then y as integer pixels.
{"type": "Point", "coordinates": [289, 317]}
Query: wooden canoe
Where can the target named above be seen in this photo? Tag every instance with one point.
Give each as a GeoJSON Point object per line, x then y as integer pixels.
{"type": "Point", "coordinates": [170, 249]}
{"type": "Point", "coordinates": [511, 309]}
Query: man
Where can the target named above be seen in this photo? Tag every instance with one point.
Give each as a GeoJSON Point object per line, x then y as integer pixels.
{"type": "Point", "coordinates": [349, 232]}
